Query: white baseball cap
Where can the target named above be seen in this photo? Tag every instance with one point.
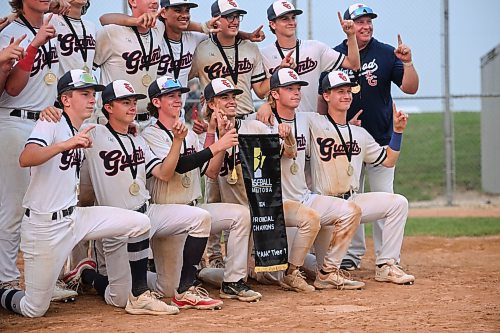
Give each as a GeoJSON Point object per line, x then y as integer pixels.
{"type": "Point", "coordinates": [119, 89]}
{"type": "Point", "coordinates": [174, 3]}
{"type": "Point", "coordinates": [280, 8]}
{"type": "Point", "coordinates": [218, 87]}
{"type": "Point", "coordinates": [336, 79]}
{"type": "Point", "coordinates": [286, 77]}
{"type": "Point", "coordinates": [357, 10]}
{"type": "Point", "coordinates": [226, 7]}
{"type": "Point", "coordinates": [165, 85]}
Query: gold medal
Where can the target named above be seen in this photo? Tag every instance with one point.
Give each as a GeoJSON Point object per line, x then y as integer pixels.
{"type": "Point", "coordinates": [50, 78]}
{"type": "Point", "coordinates": [356, 89]}
{"type": "Point", "coordinates": [146, 80]}
{"type": "Point", "coordinates": [134, 188]}
{"type": "Point", "coordinates": [294, 168]}
{"type": "Point", "coordinates": [186, 181]}
{"type": "Point", "coordinates": [86, 68]}
{"type": "Point", "coordinates": [350, 170]}
{"type": "Point", "coordinates": [232, 178]}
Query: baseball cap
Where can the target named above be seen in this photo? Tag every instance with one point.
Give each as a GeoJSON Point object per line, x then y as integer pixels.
{"type": "Point", "coordinates": [173, 3]}
{"type": "Point", "coordinates": [218, 87]}
{"type": "Point", "coordinates": [286, 77]}
{"type": "Point", "coordinates": [226, 7]}
{"type": "Point", "coordinates": [336, 79]}
{"type": "Point", "coordinates": [165, 85]}
{"type": "Point", "coordinates": [357, 10]}
{"type": "Point", "coordinates": [77, 79]}
{"type": "Point", "coordinates": [280, 8]}
{"type": "Point", "coordinates": [119, 89]}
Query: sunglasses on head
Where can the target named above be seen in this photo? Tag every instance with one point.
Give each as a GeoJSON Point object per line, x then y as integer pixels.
{"type": "Point", "coordinates": [361, 11]}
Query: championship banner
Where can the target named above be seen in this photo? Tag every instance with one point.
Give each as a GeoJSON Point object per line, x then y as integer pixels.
{"type": "Point", "coordinates": [260, 162]}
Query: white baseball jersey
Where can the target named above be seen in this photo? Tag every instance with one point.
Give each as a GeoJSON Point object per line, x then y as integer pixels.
{"type": "Point", "coordinates": [173, 192]}
{"type": "Point", "coordinates": [329, 161]}
{"type": "Point", "coordinates": [110, 168]}
{"type": "Point", "coordinates": [37, 95]}
{"type": "Point", "coordinates": [120, 56]}
{"type": "Point", "coordinates": [68, 50]}
{"type": "Point", "coordinates": [314, 58]}
{"type": "Point", "coordinates": [209, 64]}
{"type": "Point", "coordinates": [60, 169]}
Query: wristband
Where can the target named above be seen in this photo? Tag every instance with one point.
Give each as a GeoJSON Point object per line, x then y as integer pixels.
{"type": "Point", "coordinates": [409, 63]}
{"type": "Point", "coordinates": [27, 62]}
{"type": "Point", "coordinates": [396, 140]}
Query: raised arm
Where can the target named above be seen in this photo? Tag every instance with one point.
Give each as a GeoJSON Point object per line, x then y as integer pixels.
{"type": "Point", "coordinates": [400, 120]}
{"type": "Point", "coordinates": [352, 60]}
{"type": "Point", "coordinates": [410, 76]}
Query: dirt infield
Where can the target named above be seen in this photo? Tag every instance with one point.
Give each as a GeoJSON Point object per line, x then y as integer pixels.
{"type": "Point", "coordinates": [457, 289]}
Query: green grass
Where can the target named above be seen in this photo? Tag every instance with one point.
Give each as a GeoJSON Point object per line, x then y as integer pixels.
{"type": "Point", "coordinates": [449, 227]}
{"type": "Point", "coordinates": [420, 170]}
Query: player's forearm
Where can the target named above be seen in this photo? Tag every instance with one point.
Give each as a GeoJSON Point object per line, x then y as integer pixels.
{"type": "Point", "coordinates": [262, 88]}
{"type": "Point", "coordinates": [352, 60]}
{"type": "Point", "coordinates": [34, 155]}
{"type": "Point", "coordinates": [193, 161]}
{"type": "Point", "coordinates": [410, 79]}
{"type": "Point", "coordinates": [215, 165]}
{"type": "Point", "coordinates": [166, 170]}
{"type": "Point", "coordinates": [391, 159]}
{"type": "Point", "coordinates": [393, 149]}
{"type": "Point", "coordinates": [209, 139]}
{"type": "Point", "coordinates": [16, 81]}
{"type": "Point", "coordinates": [118, 19]}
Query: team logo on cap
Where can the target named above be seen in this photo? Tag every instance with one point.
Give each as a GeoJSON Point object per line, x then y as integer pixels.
{"type": "Point", "coordinates": [226, 83]}
{"type": "Point", "coordinates": [129, 87]}
{"type": "Point", "coordinates": [286, 5]}
{"type": "Point", "coordinates": [232, 3]}
{"type": "Point", "coordinates": [342, 77]}
{"type": "Point", "coordinates": [293, 75]}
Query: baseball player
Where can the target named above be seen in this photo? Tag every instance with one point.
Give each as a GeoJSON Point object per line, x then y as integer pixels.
{"type": "Point", "coordinates": [19, 110]}
{"type": "Point", "coordinates": [381, 64]}
{"type": "Point", "coordinates": [185, 186]}
{"type": "Point", "coordinates": [311, 56]}
{"type": "Point", "coordinates": [338, 152]}
{"type": "Point", "coordinates": [52, 224]}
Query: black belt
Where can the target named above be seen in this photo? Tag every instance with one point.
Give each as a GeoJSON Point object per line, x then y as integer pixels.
{"type": "Point", "coordinates": [142, 116]}
{"type": "Point", "coordinates": [64, 212]}
{"type": "Point", "coordinates": [345, 195]}
{"type": "Point", "coordinates": [143, 208]}
{"type": "Point", "coordinates": [33, 115]}
{"type": "Point", "coordinates": [192, 203]}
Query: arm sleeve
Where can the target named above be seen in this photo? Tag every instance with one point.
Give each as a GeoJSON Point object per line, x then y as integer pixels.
{"type": "Point", "coordinates": [43, 134]}
{"type": "Point", "coordinates": [151, 160]}
{"type": "Point", "coordinates": [190, 162]}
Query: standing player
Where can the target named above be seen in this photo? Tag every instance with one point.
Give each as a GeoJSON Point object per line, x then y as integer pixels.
{"type": "Point", "coordinates": [185, 185]}
{"type": "Point", "coordinates": [381, 65]}
{"type": "Point", "coordinates": [338, 152]}
{"type": "Point", "coordinates": [19, 109]}
{"type": "Point", "coordinates": [52, 224]}
{"type": "Point", "coordinates": [311, 56]}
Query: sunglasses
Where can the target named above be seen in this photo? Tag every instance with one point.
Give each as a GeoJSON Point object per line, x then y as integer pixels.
{"type": "Point", "coordinates": [170, 84]}
{"type": "Point", "coordinates": [361, 11]}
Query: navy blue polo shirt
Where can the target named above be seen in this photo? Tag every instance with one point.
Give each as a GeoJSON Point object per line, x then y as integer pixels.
{"type": "Point", "coordinates": [379, 67]}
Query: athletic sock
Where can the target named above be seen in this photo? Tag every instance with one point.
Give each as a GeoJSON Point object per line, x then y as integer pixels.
{"type": "Point", "coordinates": [323, 272]}
{"type": "Point", "coordinates": [138, 251]}
{"type": "Point", "coordinates": [10, 299]}
{"type": "Point", "coordinates": [291, 268]}
{"type": "Point", "coordinates": [96, 280]}
{"type": "Point", "coordinates": [192, 254]}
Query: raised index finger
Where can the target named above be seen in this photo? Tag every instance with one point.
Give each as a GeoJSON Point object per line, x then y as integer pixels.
{"type": "Point", "coordinates": [88, 129]}
{"type": "Point", "coordinates": [258, 29]}
{"type": "Point", "coordinates": [341, 20]}
{"type": "Point", "coordinates": [289, 55]}
{"type": "Point", "coordinates": [358, 114]}
{"type": "Point", "coordinates": [400, 41]}
{"type": "Point", "coordinates": [47, 19]}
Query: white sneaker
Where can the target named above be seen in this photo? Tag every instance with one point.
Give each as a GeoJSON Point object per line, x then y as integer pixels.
{"type": "Point", "coordinates": [296, 281]}
{"type": "Point", "coordinates": [62, 293]}
{"type": "Point", "coordinates": [337, 279]}
{"type": "Point", "coordinates": [393, 273]}
{"type": "Point", "coordinates": [149, 303]}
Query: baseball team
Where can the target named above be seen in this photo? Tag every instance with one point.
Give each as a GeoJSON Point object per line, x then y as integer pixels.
{"type": "Point", "coordinates": [99, 177]}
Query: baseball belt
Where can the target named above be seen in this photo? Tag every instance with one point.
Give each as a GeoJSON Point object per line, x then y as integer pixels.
{"type": "Point", "coordinates": [143, 208]}
{"type": "Point", "coordinates": [192, 203]}
{"type": "Point", "coordinates": [345, 195]}
{"type": "Point", "coordinates": [142, 116]}
{"type": "Point", "coordinates": [25, 114]}
{"type": "Point", "coordinates": [63, 212]}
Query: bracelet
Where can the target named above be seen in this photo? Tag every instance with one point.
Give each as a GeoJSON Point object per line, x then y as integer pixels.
{"type": "Point", "coordinates": [29, 59]}
{"type": "Point", "coordinates": [409, 63]}
{"type": "Point", "coordinates": [396, 139]}
{"type": "Point", "coordinates": [204, 28]}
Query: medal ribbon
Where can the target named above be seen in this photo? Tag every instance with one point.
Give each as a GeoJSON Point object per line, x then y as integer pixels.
{"type": "Point", "coordinates": [347, 152]}
{"type": "Point", "coordinates": [297, 54]}
{"type": "Point", "coordinates": [81, 46]}
{"type": "Point", "coordinates": [232, 71]}
{"type": "Point", "coordinates": [48, 54]}
{"type": "Point", "coordinates": [278, 118]}
{"type": "Point", "coordinates": [72, 128]}
{"type": "Point", "coordinates": [176, 68]}
{"type": "Point", "coordinates": [146, 58]}
{"type": "Point", "coordinates": [133, 170]}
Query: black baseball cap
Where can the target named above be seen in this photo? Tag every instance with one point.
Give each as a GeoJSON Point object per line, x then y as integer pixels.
{"type": "Point", "coordinates": [119, 89]}
{"type": "Point", "coordinates": [226, 7]}
{"type": "Point", "coordinates": [174, 3]}
{"type": "Point", "coordinates": [336, 79]}
{"type": "Point", "coordinates": [357, 10]}
{"type": "Point", "coordinates": [286, 77]}
{"type": "Point", "coordinates": [280, 8]}
{"type": "Point", "coordinates": [165, 85]}
{"type": "Point", "coordinates": [219, 87]}
{"type": "Point", "coordinates": [76, 79]}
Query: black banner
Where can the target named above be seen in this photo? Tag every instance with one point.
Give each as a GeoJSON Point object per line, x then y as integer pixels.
{"type": "Point", "coordinates": [260, 161]}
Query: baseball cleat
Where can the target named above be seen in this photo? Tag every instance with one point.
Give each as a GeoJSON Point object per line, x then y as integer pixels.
{"type": "Point", "coordinates": [348, 265]}
{"type": "Point", "coordinates": [391, 272]}
{"type": "Point", "coordinates": [61, 293]}
{"type": "Point", "coordinates": [148, 303]}
{"type": "Point", "coordinates": [73, 277]}
{"type": "Point", "coordinates": [217, 263]}
{"type": "Point", "coordinates": [337, 279]}
{"type": "Point", "coordinates": [196, 298]}
{"type": "Point", "coordinates": [239, 290]}
{"type": "Point", "coordinates": [296, 281]}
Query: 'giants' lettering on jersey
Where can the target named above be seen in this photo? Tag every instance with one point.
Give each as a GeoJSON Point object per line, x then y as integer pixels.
{"type": "Point", "coordinates": [303, 67]}
{"type": "Point", "coordinates": [134, 61]}
{"type": "Point", "coordinates": [301, 142]}
{"type": "Point", "coordinates": [41, 61]}
{"type": "Point", "coordinates": [166, 63]}
{"type": "Point", "coordinates": [189, 151]}
{"type": "Point", "coordinates": [218, 69]}
{"type": "Point", "coordinates": [71, 158]}
{"type": "Point", "coordinates": [68, 45]}
{"type": "Point", "coordinates": [116, 160]}
{"type": "Point", "coordinates": [329, 149]}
